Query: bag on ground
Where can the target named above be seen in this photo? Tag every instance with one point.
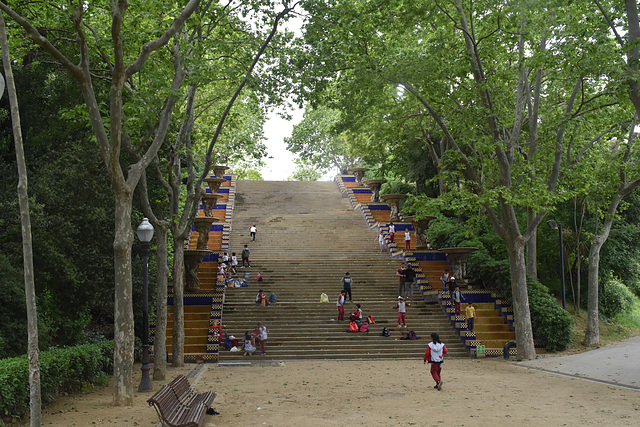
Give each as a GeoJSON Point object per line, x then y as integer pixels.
{"type": "Point", "coordinates": [385, 332]}
{"type": "Point", "coordinates": [371, 320]}
{"type": "Point", "coordinates": [364, 327]}
{"type": "Point", "coordinates": [324, 297]}
{"type": "Point", "coordinates": [273, 298]}
{"type": "Point", "coordinates": [353, 327]}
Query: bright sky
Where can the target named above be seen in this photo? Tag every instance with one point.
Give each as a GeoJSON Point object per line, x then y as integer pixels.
{"type": "Point", "coordinates": [279, 164]}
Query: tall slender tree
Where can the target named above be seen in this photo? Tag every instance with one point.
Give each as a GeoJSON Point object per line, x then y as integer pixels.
{"type": "Point", "coordinates": [33, 352]}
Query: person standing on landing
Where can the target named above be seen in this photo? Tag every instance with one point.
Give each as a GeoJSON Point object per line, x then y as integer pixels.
{"type": "Point", "coordinates": [252, 233]}
{"type": "Point", "coordinates": [402, 312]}
{"type": "Point", "coordinates": [470, 311]}
{"type": "Point", "coordinates": [245, 256]}
{"type": "Point", "coordinates": [457, 297]}
{"type": "Point", "coordinates": [435, 356]}
{"type": "Point", "coordinates": [392, 232]}
{"type": "Point", "coordinates": [407, 241]}
{"type": "Point", "coordinates": [340, 304]}
{"type": "Point", "coordinates": [347, 281]}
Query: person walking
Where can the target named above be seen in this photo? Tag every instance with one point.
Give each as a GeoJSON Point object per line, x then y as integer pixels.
{"type": "Point", "coordinates": [381, 241]}
{"type": "Point", "coordinates": [457, 297]}
{"type": "Point", "coordinates": [452, 284]}
{"type": "Point", "coordinates": [402, 312]}
{"type": "Point", "coordinates": [347, 281]}
{"type": "Point", "coordinates": [409, 278]}
{"type": "Point", "coordinates": [435, 356]}
{"type": "Point", "coordinates": [470, 311]}
{"type": "Point", "coordinates": [340, 304]}
{"type": "Point", "coordinates": [407, 241]}
{"type": "Point", "coordinates": [401, 278]}
{"type": "Point", "coordinates": [444, 278]}
{"type": "Point", "coordinates": [252, 233]}
{"type": "Point", "coordinates": [392, 232]}
{"type": "Point", "coordinates": [245, 256]}
{"type": "Point", "coordinates": [234, 262]}
{"type": "Point", "coordinates": [261, 336]}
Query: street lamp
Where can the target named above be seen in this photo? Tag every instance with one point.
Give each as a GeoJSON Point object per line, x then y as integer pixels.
{"type": "Point", "coordinates": [145, 234]}
{"type": "Point", "coordinates": [556, 226]}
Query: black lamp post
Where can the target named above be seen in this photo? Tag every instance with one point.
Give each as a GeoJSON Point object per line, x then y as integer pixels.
{"type": "Point", "coordinates": [556, 226]}
{"type": "Point", "coordinates": [145, 234]}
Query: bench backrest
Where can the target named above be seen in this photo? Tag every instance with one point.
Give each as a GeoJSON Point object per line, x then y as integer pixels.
{"type": "Point", "coordinates": [181, 387]}
{"type": "Point", "coordinates": [171, 395]}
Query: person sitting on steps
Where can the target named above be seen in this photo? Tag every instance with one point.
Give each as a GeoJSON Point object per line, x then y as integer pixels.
{"type": "Point", "coordinates": [356, 316]}
{"type": "Point", "coordinates": [262, 299]}
{"type": "Point", "coordinates": [249, 345]}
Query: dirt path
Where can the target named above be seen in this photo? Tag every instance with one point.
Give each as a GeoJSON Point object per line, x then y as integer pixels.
{"type": "Point", "coordinates": [384, 393]}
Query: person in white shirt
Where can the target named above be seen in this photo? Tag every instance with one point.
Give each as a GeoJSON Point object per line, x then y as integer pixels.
{"type": "Point", "coordinates": [252, 232]}
{"type": "Point", "coordinates": [402, 312]}
{"type": "Point", "coordinates": [381, 241]}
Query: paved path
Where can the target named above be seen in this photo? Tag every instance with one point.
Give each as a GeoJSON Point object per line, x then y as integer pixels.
{"type": "Point", "coordinates": [617, 364]}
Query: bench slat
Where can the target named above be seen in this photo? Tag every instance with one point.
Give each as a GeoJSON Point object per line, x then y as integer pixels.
{"type": "Point", "coordinates": [178, 405]}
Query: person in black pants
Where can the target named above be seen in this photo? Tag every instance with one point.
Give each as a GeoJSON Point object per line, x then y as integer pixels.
{"type": "Point", "coordinates": [347, 281]}
{"type": "Point", "coordinates": [409, 278]}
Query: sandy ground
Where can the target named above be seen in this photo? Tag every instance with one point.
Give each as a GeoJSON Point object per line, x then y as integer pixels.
{"type": "Point", "coordinates": [479, 392]}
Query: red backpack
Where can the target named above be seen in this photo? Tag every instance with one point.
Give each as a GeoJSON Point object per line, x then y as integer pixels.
{"type": "Point", "coordinates": [353, 327]}
{"type": "Point", "coordinates": [364, 327]}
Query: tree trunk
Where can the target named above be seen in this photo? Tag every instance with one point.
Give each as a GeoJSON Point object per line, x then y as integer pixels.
{"type": "Point", "coordinates": [178, 303]}
{"type": "Point", "coordinates": [35, 400]}
{"type": "Point", "coordinates": [160, 339]}
{"type": "Point", "coordinates": [521, 313]}
{"type": "Point", "coordinates": [123, 341]}
{"type": "Point", "coordinates": [532, 248]}
{"type": "Point", "coordinates": [592, 331]}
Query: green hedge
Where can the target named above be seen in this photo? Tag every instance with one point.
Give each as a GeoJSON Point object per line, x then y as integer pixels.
{"type": "Point", "coordinates": [615, 298]}
{"type": "Point", "coordinates": [552, 325]}
{"type": "Point", "coordinates": [61, 370]}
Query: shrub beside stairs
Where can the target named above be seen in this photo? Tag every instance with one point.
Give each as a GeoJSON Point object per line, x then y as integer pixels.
{"type": "Point", "coordinates": [308, 237]}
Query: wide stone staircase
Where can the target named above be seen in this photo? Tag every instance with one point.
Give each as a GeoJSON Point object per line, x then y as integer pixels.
{"type": "Point", "coordinates": [308, 237]}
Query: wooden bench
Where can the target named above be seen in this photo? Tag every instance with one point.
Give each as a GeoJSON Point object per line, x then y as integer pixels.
{"type": "Point", "coordinates": [178, 405]}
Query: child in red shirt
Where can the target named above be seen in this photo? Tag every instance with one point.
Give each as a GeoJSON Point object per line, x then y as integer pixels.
{"type": "Point", "coordinates": [435, 356]}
